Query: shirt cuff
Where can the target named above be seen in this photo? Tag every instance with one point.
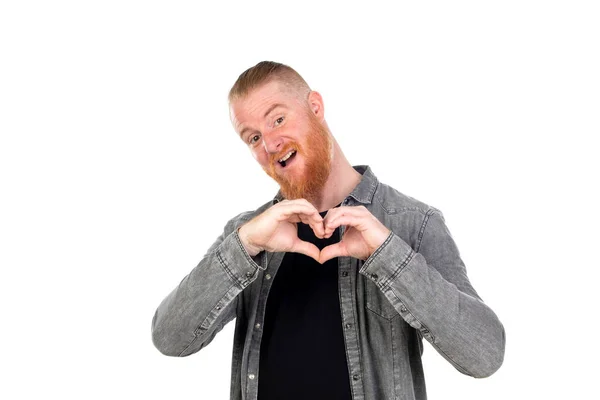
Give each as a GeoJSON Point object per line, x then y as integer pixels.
{"type": "Point", "coordinates": [237, 263]}
{"type": "Point", "coordinates": [387, 261]}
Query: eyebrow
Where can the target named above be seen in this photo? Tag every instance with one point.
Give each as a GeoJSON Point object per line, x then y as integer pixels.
{"type": "Point", "coordinates": [274, 106]}
{"type": "Point", "coordinates": [242, 132]}
{"type": "Point", "coordinates": [269, 111]}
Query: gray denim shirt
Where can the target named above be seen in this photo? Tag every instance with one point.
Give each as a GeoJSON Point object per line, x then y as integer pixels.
{"type": "Point", "coordinates": [413, 286]}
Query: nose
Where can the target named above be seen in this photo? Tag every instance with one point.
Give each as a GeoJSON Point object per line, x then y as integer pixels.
{"type": "Point", "coordinates": [272, 142]}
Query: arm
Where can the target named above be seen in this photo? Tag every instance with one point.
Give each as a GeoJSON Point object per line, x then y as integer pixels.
{"type": "Point", "coordinates": [430, 289]}
{"type": "Point", "coordinates": [206, 299]}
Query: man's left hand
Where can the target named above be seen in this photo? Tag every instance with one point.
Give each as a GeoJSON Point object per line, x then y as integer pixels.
{"type": "Point", "coordinates": [364, 233]}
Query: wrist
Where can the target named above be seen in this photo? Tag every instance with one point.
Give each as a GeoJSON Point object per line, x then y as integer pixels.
{"type": "Point", "coordinates": [251, 249]}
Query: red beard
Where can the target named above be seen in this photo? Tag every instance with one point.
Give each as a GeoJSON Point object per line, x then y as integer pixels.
{"type": "Point", "coordinates": [315, 151]}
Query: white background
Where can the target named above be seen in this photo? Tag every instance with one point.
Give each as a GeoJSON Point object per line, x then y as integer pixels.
{"type": "Point", "coordinates": [119, 168]}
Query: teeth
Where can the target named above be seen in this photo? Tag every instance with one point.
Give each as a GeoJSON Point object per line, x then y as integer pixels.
{"type": "Point", "coordinates": [288, 155]}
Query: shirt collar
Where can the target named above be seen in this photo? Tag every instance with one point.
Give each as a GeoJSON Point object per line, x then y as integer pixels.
{"type": "Point", "coordinates": [362, 193]}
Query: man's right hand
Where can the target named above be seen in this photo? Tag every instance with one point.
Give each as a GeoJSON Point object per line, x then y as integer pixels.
{"type": "Point", "coordinates": [276, 230]}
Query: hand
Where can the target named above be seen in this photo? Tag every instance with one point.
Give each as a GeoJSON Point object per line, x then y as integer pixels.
{"type": "Point", "coordinates": [363, 235]}
{"type": "Point", "coordinates": [276, 230]}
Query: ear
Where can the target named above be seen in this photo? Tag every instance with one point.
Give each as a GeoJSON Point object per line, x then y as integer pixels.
{"type": "Point", "coordinates": [315, 102]}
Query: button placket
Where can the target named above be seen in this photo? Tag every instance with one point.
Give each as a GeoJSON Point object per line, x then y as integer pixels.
{"type": "Point", "coordinates": [253, 354]}
{"type": "Point", "coordinates": [347, 287]}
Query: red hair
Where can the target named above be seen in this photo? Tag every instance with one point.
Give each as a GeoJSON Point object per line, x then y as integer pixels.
{"type": "Point", "coordinates": [265, 72]}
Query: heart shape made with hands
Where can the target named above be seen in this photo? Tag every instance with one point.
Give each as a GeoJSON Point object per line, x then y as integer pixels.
{"type": "Point", "coordinates": [363, 235]}
{"type": "Point", "coordinates": [276, 230]}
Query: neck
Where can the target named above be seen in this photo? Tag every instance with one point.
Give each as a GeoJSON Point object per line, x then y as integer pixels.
{"type": "Point", "coordinates": [342, 179]}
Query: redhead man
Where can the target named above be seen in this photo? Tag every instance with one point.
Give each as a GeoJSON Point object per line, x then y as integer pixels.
{"type": "Point", "coordinates": [334, 282]}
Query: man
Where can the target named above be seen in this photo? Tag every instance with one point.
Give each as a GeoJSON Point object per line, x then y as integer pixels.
{"type": "Point", "coordinates": [335, 281]}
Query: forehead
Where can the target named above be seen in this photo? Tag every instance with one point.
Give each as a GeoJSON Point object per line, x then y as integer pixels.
{"type": "Point", "coordinates": [252, 108]}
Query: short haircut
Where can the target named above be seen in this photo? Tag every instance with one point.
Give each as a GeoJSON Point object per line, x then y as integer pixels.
{"type": "Point", "coordinates": [265, 72]}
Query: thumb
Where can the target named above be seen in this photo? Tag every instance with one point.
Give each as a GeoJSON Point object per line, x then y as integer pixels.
{"type": "Point", "coordinates": [332, 251]}
{"type": "Point", "coordinates": [306, 248]}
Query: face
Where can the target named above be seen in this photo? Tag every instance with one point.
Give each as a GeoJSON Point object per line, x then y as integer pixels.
{"type": "Point", "coordinates": [286, 136]}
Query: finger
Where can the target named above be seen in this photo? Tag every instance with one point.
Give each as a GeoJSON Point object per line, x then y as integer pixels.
{"type": "Point", "coordinates": [295, 218]}
{"type": "Point", "coordinates": [331, 214]}
{"type": "Point", "coordinates": [350, 220]}
{"type": "Point", "coordinates": [296, 203]}
{"type": "Point", "coordinates": [306, 248]}
{"type": "Point", "coordinates": [287, 210]}
{"type": "Point", "coordinates": [337, 212]}
{"type": "Point", "coordinates": [305, 202]}
{"type": "Point", "coordinates": [304, 213]}
{"type": "Point", "coordinates": [317, 227]}
{"type": "Point", "coordinates": [360, 223]}
{"type": "Point", "coordinates": [298, 217]}
{"type": "Point", "coordinates": [332, 251]}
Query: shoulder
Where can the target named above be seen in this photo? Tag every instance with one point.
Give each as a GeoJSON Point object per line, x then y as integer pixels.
{"type": "Point", "coordinates": [391, 201]}
{"type": "Point", "coordinates": [385, 199]}
{"type": "Point", "coordinates": [406, 216]}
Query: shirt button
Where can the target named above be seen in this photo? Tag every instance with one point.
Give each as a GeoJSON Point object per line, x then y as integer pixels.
{"type": "Point", "coordinates": [355, 377]}
{"type": "Point", "coordinates": [249, 274]}
{"type": "Point", "coordinates": [251, 376]}
{"type": "Point", "coordinates": [257, 326]}
{"type": "Point", "coordinates": [374, 277]}
{"type": "Point", "coordinates": [218, 307]}
{"type": "Point", "coordinates": [348, 326]}
{"type": "Point", "coordinates": [345, 273]}
{"type": "Point", "coordinates": [268, 276]}
{"type": "Point", "coordinates": [403, 309]}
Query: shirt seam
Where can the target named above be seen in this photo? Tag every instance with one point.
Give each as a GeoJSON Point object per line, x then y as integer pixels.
{"type": "Point", "coordinates": [428, 214]}
{"type": "Point", "coordinates": [230, 273]}
{"type": "Point", "coordinates": [244, 251]}
{"type": "Point", "coordinates": [378, 250]}
{"type": "Point", "coordinates": [386, 284]}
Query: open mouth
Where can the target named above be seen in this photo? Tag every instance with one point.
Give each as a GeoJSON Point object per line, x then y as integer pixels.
{"type": "Point", "coordinates": [285, 160]}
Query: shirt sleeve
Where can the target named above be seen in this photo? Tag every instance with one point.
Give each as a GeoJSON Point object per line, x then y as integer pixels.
{"type": "Point", "coordinates": [428, 286]}
{"type": "Point", "coordinates": [206, 299]}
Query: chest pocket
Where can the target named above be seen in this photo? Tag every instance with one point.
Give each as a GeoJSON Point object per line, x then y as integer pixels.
{"type": "Point", "coordinates": [377, 302]}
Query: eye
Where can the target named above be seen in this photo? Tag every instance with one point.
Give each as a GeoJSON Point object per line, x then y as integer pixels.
{"type": "Point", "coordinates": [253, 138]}
{"type": "Point", "coordinates": [278, 121]}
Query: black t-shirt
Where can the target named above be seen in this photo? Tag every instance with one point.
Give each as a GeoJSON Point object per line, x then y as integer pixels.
{"type": "Point", "coordinates": [302, 354]}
